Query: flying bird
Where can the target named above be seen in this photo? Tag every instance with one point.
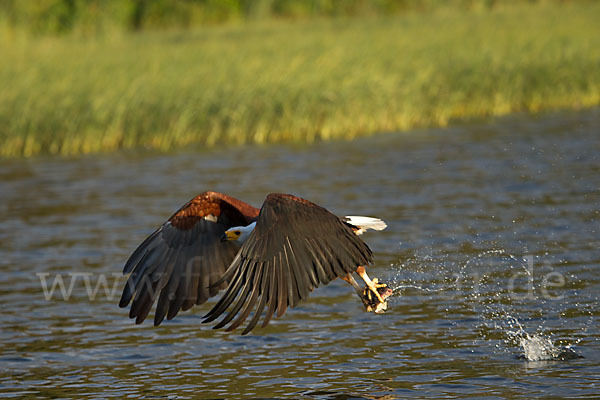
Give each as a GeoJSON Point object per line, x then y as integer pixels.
{"type": "Point", "coordinates": [269, 258]}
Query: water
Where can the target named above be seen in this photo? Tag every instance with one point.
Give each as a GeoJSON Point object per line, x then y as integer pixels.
{"type": "Point", "coordinates": [492, 248]}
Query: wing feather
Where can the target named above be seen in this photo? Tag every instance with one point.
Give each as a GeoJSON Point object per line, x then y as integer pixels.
{"type": "Point", "coordinates": [192, 284]}
{"type": "Point", "coordinates": [290, 282]}
{"type": "Point", "coordinates": [271, 293]}
{"type": "Point", "coordinates": [228, 297]}
{"type": "Point", "coordinates": [317, 260]}
{"type": "Point", "coordinates": [261, 305]}
{"type": "Point", "coordinates": [283, 283]}
{"type": "Point", "coordinates": [243, 294]}
{"type": "Point", "coordinates": [147, 245]}
{"type": "Point", "coordinates": [176, 303]}
{"type": "Point", "coordinates": [293, 282]}
{"type": "Point", "coordinates": [257, 273]}
{"type": "Point", "coordinates": [304, 258]}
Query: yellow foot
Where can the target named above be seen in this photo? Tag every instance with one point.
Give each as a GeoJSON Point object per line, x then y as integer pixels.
{"type": "Point", "coordinates": [371, 284]}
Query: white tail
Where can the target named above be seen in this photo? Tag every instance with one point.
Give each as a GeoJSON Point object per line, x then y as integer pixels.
{"type": "Point", "coordinates": [365, 223]}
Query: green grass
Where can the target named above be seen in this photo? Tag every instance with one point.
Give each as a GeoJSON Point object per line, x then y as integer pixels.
{"type": "Point", "coordinates": [276, 82]}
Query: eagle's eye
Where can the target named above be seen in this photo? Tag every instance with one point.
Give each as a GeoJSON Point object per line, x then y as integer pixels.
{"type": "Point", "coordinates": [238, 233]}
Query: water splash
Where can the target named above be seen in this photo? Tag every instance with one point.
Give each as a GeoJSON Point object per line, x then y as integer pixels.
{"type": "Point", "coordinates": [540, 347]}
{"type": "Point", "coordinates": [397, 289]}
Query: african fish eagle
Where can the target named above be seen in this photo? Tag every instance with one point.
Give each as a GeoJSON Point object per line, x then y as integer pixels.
{"type": "Point", "coordinates": [269, 258]}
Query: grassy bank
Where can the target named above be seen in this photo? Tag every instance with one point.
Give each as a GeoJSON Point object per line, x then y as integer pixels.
{"type": "Point", "coordinates": [275, 82]}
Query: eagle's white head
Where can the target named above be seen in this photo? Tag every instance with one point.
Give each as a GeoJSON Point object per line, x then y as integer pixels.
{"type": "Point", "coordinates": [238, 233]}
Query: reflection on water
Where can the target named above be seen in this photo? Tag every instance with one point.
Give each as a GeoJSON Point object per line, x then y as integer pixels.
{"type": "Point", "coordinates": [490, 225]}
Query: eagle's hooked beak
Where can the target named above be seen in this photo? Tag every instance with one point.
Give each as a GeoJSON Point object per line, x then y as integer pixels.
{"type": "Point", "coordinates": [227, 236]}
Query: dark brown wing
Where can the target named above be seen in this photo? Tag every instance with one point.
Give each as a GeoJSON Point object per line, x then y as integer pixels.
{"type": "Point", "coordinates": [295, 246]}
{"type": "Point", "coordinates": [183, 259]}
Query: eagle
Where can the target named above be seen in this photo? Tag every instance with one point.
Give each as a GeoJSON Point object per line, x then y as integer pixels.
{"type": "Point", "coordinates": [264, 259]}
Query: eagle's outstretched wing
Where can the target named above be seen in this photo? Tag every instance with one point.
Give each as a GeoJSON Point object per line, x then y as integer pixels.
{"type": "Point", "coordinates": [295, 246]}
{"type": "Point", "coordinates": [183, 259]}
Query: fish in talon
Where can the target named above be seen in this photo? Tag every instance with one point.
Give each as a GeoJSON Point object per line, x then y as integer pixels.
{"type": "Point", "coordinates": [376, 302]}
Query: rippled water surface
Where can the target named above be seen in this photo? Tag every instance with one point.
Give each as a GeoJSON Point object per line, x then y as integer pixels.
{"type": "Point", "coordinates": [493, 249]}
